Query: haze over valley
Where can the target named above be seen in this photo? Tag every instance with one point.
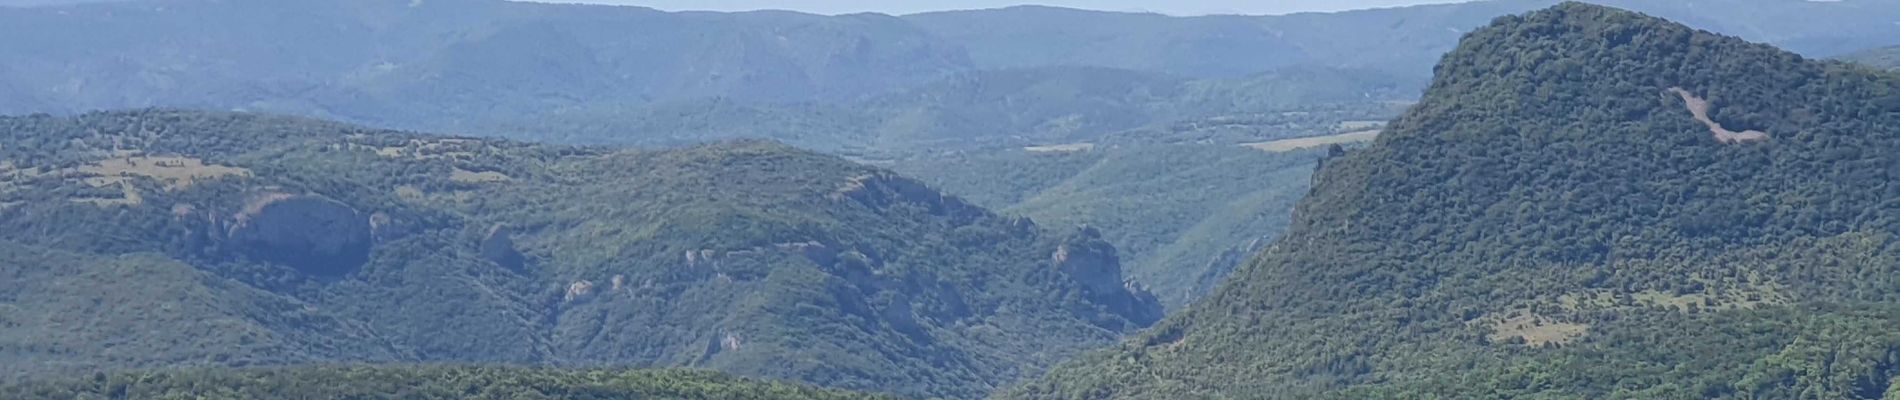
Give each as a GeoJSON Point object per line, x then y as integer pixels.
{"type": "Point", "coordinates": [396, 199]}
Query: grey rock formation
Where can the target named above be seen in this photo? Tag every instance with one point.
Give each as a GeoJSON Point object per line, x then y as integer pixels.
{"type": "Point", "coordinates": [886, 189]}
{"type": "Point", "coordinates": [498, 246]}
{"type": "Point", "coordinates": [1091, 262]}
{"type": "Point", "coordinates": [385, 228]}
{"type": "Point", "coordinates": [313, 234]}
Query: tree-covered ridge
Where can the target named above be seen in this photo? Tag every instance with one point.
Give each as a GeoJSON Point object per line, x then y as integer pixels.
{"type": "Point", "coordinates": [418, 383]}
{"type": "Point", "coordinates": [1551, 221]}
{"type": "Point", "coordinates": [225, 239]}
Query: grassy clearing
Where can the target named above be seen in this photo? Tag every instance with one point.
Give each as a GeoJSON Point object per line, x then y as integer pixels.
{"type": "Point", "coordinates": [1286, 145]}
{"type": "Point", "coordinates": [130, 197]}
{"type": "Point", "coordinates": [1362, 125]}
{"type": "Point", "coordinates": [1061, 148]}
{"type": "Point", "coordinates": [1535, 330]}
{"type": "Point", "coordinates": [433, 149]}
{"type": "Point", "coordinates": [1745, 296]}
{"type": "Point", "coordinates": [410, 193]}
{"type": "Point", "coordinates": [466, 176]}
{"type": "Point", "coordinates": [175, 172]}
{"type": "Point", "coordinates": [11, 175]}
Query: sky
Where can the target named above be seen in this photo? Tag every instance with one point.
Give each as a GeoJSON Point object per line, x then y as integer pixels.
{"type": "Point", "coordinates": [1173, 7]}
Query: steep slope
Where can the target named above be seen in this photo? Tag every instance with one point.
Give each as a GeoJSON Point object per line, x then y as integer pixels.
{"type": "Point", "coordinates": [1181, 216]}
{"type": "Point", "coordinates": [1552, 220]}
{"type": "Point", "coordinates": [169, 238]}
{"type": "Point", "coordinates": [418, 383]}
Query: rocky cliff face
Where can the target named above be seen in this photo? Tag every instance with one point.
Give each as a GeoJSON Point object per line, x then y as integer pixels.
{"type": "Point", "coordinates": [887, 189]}
{"type": "Point", "coordinates": [1091, 262]}
{"type": "Point", "coordinates": [499, 246]}
{"type": "Point", "coordinates": [314, 234]}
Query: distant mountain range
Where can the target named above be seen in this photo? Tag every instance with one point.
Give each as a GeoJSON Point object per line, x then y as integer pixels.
{"type": "Point", "coordinates": [532, 70]}
{"type": "Point", "coordinates": [157, 238]}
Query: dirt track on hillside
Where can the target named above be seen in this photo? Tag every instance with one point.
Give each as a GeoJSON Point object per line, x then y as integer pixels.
{"type": "Point", "coordinates": [1700, 108]}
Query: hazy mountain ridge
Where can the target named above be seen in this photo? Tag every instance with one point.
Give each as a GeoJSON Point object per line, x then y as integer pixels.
{"type": "Point", "coordinates": [539, 71]}
{"type": "Point", "coordinates": [400, 63]}
{"type": "Point", "coordinates": [1402, 40]}
{"type": "Point", "coordinates": [991, 109]}
{"type": "Point", "coordinates": [1551, 220]}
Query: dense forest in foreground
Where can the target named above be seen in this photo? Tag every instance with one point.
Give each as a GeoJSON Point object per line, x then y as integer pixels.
{"type": "Point", "coordinates": [420, 383]}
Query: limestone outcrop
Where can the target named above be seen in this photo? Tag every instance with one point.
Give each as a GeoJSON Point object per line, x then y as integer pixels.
{"type": "Point", "coordinates": [314, 234]}
{"type": "Point", "coordinates": [1091, 262]}
{"type": "Point", "coordinates": [498, 246]}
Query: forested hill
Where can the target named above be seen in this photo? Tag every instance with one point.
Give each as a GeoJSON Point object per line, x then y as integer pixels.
{"type": "Point", "coordinates": [1587, 203]}
{"type": "Point", "coordinates": [158, 238]}
{"type": "Point", "coordinates": [419, 383]}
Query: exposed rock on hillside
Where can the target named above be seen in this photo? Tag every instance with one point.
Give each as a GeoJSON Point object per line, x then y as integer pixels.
{"type": "Point", "coordinates": [498, 246]}
{"type": "Point", "coordinates": [1091, 262]}
{"type": "Point", "coordinates": [886, 189]}
{"type": "Point", "coordinates": [313, 234]}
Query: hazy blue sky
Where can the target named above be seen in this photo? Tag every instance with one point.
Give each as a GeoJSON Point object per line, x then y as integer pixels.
{"type": "Point", "coordinates": [1178, 7]}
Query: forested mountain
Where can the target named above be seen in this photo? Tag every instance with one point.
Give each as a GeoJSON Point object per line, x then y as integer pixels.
{"type": "Point", "coordinates": [599, 74]}
{"type": "Point", "coordinates": [1182, 216]}
{"type": "Point", "coordinates": [1587, 203]}
{"type": "Point", "coordinates": [170, 238]}
{"type": "Point", "coordinates": [418, 383]}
